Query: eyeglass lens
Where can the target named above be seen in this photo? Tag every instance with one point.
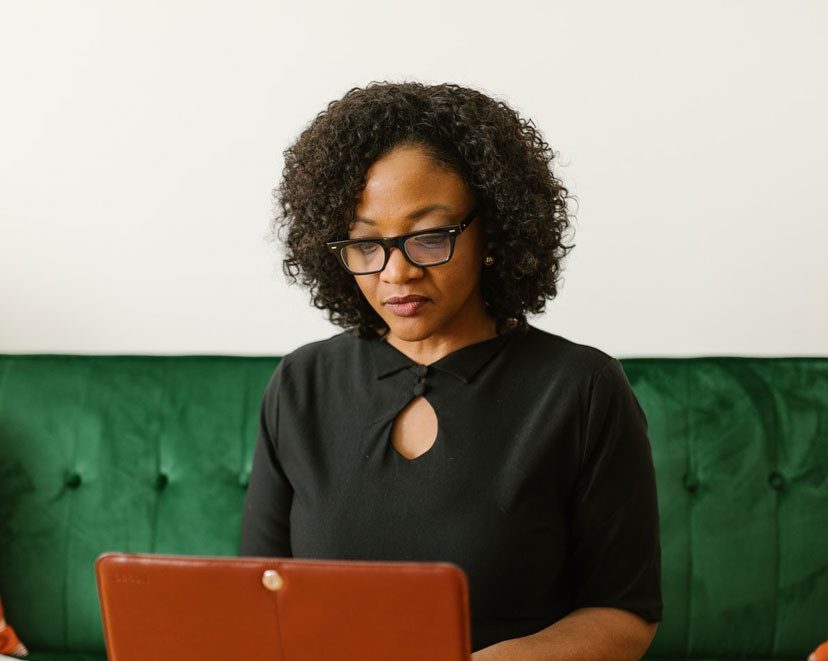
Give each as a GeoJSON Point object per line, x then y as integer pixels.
{"type": "Point", "coordinates": [423, 249]}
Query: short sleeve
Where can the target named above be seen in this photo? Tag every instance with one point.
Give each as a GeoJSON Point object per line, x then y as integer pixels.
{"type": "Point", "coordinates": [265, 530]}
{"type": "Point", "coordinates": [616, 550]}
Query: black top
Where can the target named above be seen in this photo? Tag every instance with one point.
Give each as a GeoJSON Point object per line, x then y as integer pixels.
{"type": "Point", "coordinates": [540, 482]}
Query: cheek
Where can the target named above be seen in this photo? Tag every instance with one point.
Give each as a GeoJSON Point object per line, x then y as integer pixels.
{"type": "Point", "coordinates": [367, 285]}
{"type": "Point", "coordinates": [460, 279]}
{"type": "Point", "coordinates": [467, 265]}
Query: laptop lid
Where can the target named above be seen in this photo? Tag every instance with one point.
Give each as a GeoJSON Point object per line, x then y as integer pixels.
{"type": "Point", "coordinates": [182, 608]}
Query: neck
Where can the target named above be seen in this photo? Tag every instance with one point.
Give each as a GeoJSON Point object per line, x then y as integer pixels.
{"type": "Point", "coordinates": [469, 326]}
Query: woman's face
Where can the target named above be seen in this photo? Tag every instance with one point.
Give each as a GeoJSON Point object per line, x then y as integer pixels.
{"type": "Point", "coordinates": [399, 184]}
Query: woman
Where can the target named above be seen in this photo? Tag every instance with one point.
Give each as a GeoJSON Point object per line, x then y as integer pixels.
{"type": "Point", "coordinates": [440, 425]}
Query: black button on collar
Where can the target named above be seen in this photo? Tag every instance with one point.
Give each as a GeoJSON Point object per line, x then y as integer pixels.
{"type": "Point", "coordinates": [419, 389]}
{"type": "Point", "coordinates": [421, 370]}
{"type": "Point", "coordinates": [161, 481]}
{"type": "Point", "coordinates": [73, 480]}
{"type": "Point", "coordinates": [691, 482]}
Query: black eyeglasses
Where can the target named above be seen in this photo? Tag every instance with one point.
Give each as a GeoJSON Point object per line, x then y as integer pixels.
{"type": "Point", "coordinates": [428, 247]}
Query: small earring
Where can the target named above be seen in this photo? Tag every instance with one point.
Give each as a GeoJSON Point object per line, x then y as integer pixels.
{"type": "Point", "coordinates": [489, 260]}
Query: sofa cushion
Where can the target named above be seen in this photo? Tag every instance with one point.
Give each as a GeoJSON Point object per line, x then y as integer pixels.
{"type": "Point", "coordinates": [741, 458]}
{"type": "Point", "coordinates": [115, 453]}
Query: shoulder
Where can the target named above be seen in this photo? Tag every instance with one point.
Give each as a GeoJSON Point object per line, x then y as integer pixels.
{"type": "Point", "coordinates": [333, 348]}
{"type": "Point", "coordinates": [329, 352]}
{"type": "Point", "coordinates": [316, 361]}
{"type": "Point", "coordinates": [549, 351]}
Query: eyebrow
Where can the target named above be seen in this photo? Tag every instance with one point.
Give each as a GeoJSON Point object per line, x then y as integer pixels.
{"type": "Point", "coordinates": [412, 216]}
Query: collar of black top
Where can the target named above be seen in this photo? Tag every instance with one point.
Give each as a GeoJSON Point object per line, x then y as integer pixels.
{"type": "Point", "coordinates": [463, 363]}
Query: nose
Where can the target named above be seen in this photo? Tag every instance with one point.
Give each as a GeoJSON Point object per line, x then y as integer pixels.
{"type": "Point", "coordinates": [399, 269]}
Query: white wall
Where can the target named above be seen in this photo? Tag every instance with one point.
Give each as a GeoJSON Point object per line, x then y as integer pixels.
{"type": "Point", "coordinates": [139, 142]}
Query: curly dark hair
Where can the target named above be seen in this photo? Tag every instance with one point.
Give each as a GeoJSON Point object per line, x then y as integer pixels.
{"type": "Point", "coordinates": [501, 157]}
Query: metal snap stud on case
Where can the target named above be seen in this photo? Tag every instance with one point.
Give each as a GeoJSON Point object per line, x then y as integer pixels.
{"type": "Point", "coordinates": [272, 580]}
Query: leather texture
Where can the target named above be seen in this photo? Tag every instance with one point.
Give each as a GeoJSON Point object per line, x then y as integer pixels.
{"type": "Point", "coordinates": [152, 453]}
{"type": "Point", "coordinates": [170, 608]}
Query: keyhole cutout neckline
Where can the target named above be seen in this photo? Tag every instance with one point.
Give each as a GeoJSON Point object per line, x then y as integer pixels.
{"type": "Point", "coordinates": [423, 428]}
{"type": "Point", "coordinates": [419, 439]}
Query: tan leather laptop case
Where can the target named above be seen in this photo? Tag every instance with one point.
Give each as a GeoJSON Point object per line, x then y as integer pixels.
{"type": "Point", "coordinates": [199, 608]}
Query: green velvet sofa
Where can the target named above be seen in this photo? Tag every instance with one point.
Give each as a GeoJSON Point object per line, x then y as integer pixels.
{"type": "Point", "coordinates": [151, 453]}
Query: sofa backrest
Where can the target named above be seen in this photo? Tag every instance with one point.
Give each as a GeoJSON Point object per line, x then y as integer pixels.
{"type": "Point", "coordinates": [740, 447]}
{"type": "Point", "coordinates": [151, 453]}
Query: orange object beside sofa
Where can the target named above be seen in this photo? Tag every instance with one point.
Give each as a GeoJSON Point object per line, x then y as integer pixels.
{"type": "Point", "coordinates": [9, 642]}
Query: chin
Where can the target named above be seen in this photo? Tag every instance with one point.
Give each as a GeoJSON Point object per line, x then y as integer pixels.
{"type": "Point", "coordinates": [411, 329]}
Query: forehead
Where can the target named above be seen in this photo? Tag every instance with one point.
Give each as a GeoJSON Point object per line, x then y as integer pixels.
{"type": "Point", "coordinates": [407, 179]}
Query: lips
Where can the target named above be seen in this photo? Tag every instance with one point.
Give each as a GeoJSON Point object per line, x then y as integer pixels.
{"type": "Point", "coordinates": [406, 306]}
{"type": "Point", "coordinates": [406, 299]}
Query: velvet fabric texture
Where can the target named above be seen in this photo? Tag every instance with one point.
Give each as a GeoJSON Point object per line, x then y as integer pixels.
{"type": "Point", "coordinates": [150, 453]}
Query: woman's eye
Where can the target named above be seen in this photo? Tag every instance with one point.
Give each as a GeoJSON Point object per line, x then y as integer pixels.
{"type": "Point", "coordinates": [430, 240]}
{"type": "Point", "coordinates": [367, 248]}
